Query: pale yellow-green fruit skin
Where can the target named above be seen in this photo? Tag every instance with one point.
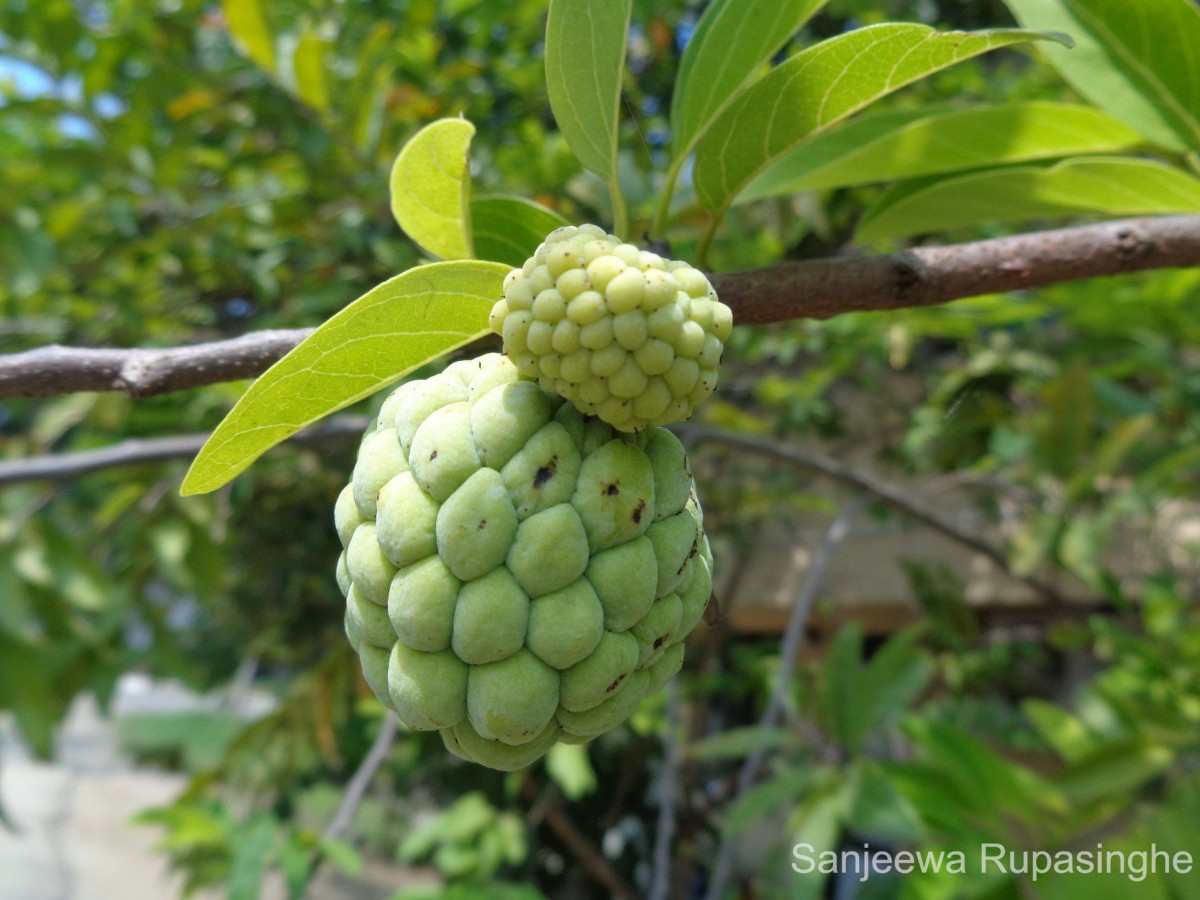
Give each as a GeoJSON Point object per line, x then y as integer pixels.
{"type": "Point", "coordinates": [621, 333]}
{"type": "Point", "coordinates": [516, 573]}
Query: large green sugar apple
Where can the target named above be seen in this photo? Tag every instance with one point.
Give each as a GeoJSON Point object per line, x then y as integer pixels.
{"type": "Point", "coordinates": [516, 573]}
{"type": "Point", "coordinates": [622, 333]}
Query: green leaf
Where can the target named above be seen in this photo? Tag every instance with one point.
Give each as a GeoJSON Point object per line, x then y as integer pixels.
{"type": "Point", "coordinates": [1115, 770]}
{"type": "Point", "coordinates": [509, 229]}
{"type": "Point", "coordinates": [430, 187]}
{"type": "Point", "coordinates": [1064, 432]}
{"type": "Point", "coordinates": [384, 334]}
{"type": "Point", "coordinates": [309, 64]}
{"type": "Point", "coordinates": [911, 143]}
{"type": "Point", "coordinates": [585, 58]}
{"type": "Point", "coordinates": [760, 802]}
{"type": "Point", "coordinates": [879, 809]}
{"type": "Point", "coordinates": [340, 854]}
{"type": "Point", "coordinates": [733, 40]}
{"type": "Point", "coordinates": [1107, 185]}
{"type": "Point", "coordinates": [738, 742]}
{"type": "Point", "coordinates": [248, 27]}
{"type": "Point", "coordinates": [250, 859]}
{"type": "Point", "coordinates": [569, 766]}
{"type": "Point", "coordinates": [1069, 737]}
{"type": "Point", "coordinates": [1139, 61]}
{"type": "Point", "coordinates": [821, 86]}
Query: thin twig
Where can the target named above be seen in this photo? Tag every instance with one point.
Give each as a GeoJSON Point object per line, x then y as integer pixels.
{"type": "Point", "coordinates": [357, 788]}
{"type": "Point", "coordinates": [586, 853]}
{"type": "Point", "coordinates": [817, 289]}
{"type": "Point", "coordinates": [141, 451]}
{"type": "Point", "coordinates": [789, 651]}
{"type": "Point", "coordinates": [660, 881]}
{"type": "Point", "coordinates": [898, 500]}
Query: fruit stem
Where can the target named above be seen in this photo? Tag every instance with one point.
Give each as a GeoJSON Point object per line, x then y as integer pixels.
{"type": "Point", "coordinates": [619, 210]}
{"type": "Point", "coordinates": [659, 226]}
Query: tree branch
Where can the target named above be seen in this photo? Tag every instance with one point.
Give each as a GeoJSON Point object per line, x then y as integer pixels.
{"type": "Point", "coordinates": [898, 500]}
{"type": "Point", "coordinates": [52, 370]}
{"type": "Point", "coordinates": [139, 451]}
{"type": "Point", "coordinates": [356, 789]}
{"type": "Point", "coordinates": [928, 276]}
{"type": "Point", "coordinates": [816, 289]}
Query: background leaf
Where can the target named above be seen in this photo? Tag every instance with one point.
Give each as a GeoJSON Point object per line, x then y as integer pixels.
{"type": "Point", "coordinates": [248, 26]}
{"type": "Point", "coordinates": [389, 331]}
{"type": "Point", "coordinates": [509, 229]}
{"type": "Point", "coordinates": [908, 144]}
{"type": "Point", "coordinates": [585, 58]}
{"type": "Point", "coordinates": [732, 41]}
{"type": "Point", "coordinates": [1140, 61]}
{"type": "Point", "coordinates": [1113, 186]}
{"type": "Point", "coordinates": [309, 63]}
{"type": "Point", "coordinates": [821, 86]}
{"type": "Point", "coordinates": [430, 188]}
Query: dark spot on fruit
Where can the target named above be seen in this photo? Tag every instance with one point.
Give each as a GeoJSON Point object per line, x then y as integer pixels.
{"type": "Point", "coordinates": [613, 489]}
{"type": "Point", "coordinates": [658, 641]}
{"type": "Point", "coordinates": [637, 512]}
{"type": "Point", "coordinates": [612, 687]}
{"type": "Point", "coordinates": [692, 552]}
{"type": "Point", "coordinates": [433, 456]}
{"type": "Point", "coordinates": [482, 525]}
{"type": "Point", "coordinates": [545, 473]}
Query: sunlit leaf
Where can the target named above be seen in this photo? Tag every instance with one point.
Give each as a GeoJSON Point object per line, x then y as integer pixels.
{"type": "Point", "coordinates": [430, 187]}
{"type": "Point", "coordinates": [585, 57]}
{"type": "Point", "coordinates": [1112, 186]}
{"type": "Point", "coordinates": [732, 41]}
{"type": "Point", "coordinates": [1139, 61]}
{"type": "Point", "coordinates": [509, 229]}
{"type": "Point", "coordinates": [309, 63]}
{"type": "Point", "coordinates": [389, 331]}
{"type": "Point", "coordinates": [907, 144]}
{"type": "Point", "coordinates": [248, 26]}
{"type": "Point", "coordinates": [821, 86]}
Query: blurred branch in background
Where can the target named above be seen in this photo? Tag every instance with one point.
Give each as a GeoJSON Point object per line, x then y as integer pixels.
{"type": "Point", "coordinates": [356, 789]}
{"type": "Point", "coordinates": [789, 649]}
{"type": "Point", "coordinates": [140, 451]}
{"type": "Point", "coordinates": [817, 289]}
{"type": "Point", "coordinates": [855, 478]}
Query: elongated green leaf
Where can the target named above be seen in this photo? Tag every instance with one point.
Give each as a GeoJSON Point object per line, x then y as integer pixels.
{"type": "Point", "coordinates": [1108, 185]}
{"type": "Point", "coordinates": [430, 188]}
{"type": "Point", "coordinates": [885, 147]}
{"type": "Point", "coordinates": [309, 63]}
{"type": "Point", "coordinates": [585, 57]}
{"type": "Point", "coordinates": [384, 334]}
{"type": "Point", "coordinates": [732, 41]}
{"type": "Point", "coordinates": [509, 229]}
{"type": "Point", "coordinates": [818, 88]}
{"type": "Point", "coordinates": [738, 742]}
{"type": "Point", "coordinates": [1138, 60]}
{"type": "Point", "coordinates": [248, 26]}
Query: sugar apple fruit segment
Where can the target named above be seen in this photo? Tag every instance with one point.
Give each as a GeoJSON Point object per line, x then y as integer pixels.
{"type": "Point", "coordinates": [622, 333]}
{"type": "Point", "coordinates": [516, 572]}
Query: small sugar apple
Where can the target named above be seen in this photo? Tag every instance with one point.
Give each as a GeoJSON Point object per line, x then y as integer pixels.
{"type": "Point", "coordinates": [622, 333]}
{"type": "Point", "coordinates": [516, 573]}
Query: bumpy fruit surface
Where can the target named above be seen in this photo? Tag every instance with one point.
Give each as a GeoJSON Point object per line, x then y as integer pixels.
{"type": "Point", "coordinates": [622, 333]}
{"type": "Point", "coordinates": [516, 573]}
